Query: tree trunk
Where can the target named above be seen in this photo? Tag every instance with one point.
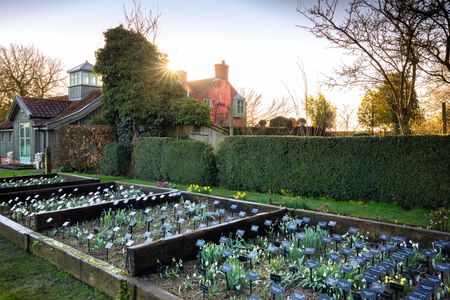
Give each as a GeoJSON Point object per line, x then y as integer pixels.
{"type": "Point", "coordinates": [403, 123]}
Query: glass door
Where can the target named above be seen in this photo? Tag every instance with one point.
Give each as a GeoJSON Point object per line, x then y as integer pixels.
{"type": "Point", "coordinates": [24, 143]}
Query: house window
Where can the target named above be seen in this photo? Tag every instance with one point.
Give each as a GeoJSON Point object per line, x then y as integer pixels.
{"type": "Point", "coordinates": [240, 109]}
{"type": "Point", "coordinates": [10, 137]}
{"type": "Point", "coordinates": [207, 101]}
{"type": "Point", "coordinates": [239, 106]}
{"type": "Point", "coordinates": [2, 137]}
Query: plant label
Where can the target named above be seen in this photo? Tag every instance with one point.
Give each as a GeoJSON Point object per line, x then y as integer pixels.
{"type": "Point", "coordinates": [227, 253]}
{"type": "Point", "coordinates": [268, 223]}
{"type": "Point", "coordinates": [108, 246]}
{"type": "Point", "coordinates": [275, 278]}
{"type": "Point", "coordinates": [90, 236]}
{"type": "Point", "coordinates": [200, 243]}
{"type": "Point", "coordinates": [242, 214]}
{"type": "Point", "coordinates": [226, 268]}
{"type": "Point", "coordinates": [298, 296]}
{"type": "Point", "coordinates": [254, 228]}
{"type": "Point", "coordinates": [252, 276]}
{"type": "Point", "coordinates": [240, 233]}
{"type": "Point", "coordinates": [254, 211]}
{"type": "Point", "coordinates": [129, 243]}
{"type": "Point", "coordinates": [276, 289]}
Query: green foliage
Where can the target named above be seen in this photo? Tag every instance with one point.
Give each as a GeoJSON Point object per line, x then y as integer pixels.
{"type": "Point", "coordinates": [321, 111]}
{"type": "Point", "coordinates": [137, 87]}
{"type": "Point", "coordinates": [411, 171]}
{"type": "Point", "coordinates": [183, 161]}
{"type": "Point", "coordinates": [188, 111]}
{"type": "Point", "coordinates": [98, 120]}
{"type": "Point", "coordinates": [114, 161]}
{"type": "Point", "coordinates": [374, 111]}
{"type": "Point", "coordinates": [281, 122]}
{"type": "Point", "coordinates": [378, 106]}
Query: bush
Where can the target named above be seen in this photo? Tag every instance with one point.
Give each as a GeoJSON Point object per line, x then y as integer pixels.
{"type": "Point", "coordinates": [115, 160]}
{"type": "Point", "coordinates": [412, 171]}
{"type": "Point", "coordinates": [81, 147]}
{"type": "Point", "coordinates": [175, 160]}
{"type": "Point", "coordinates": [188, 111]}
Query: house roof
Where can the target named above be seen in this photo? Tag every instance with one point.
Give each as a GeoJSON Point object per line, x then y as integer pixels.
{"type": "Point", "coordinates": [201, 86]}
{"type": "Point", "coordinates": [45, 108]}
{"type": "Point", "coordinates": [6, 125]}
{"type": "Point", "coordinates": [86, 66]}
{"type": "Point", "coordinates": [74, 107]}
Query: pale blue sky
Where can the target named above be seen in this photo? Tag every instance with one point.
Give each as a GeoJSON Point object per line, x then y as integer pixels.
{"type": "Point", "coordinates": [257, 38]}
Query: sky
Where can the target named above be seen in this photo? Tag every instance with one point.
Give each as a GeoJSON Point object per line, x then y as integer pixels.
{"type": "Point", "coordinates": [259, 39]}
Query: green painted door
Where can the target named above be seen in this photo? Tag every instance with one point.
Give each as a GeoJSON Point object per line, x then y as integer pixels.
{"type": "Point", "coordinates": [24, 143]}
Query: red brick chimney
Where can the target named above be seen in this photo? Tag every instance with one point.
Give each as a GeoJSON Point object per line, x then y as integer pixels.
{"type": "Point", "coordinates": [221, 71]}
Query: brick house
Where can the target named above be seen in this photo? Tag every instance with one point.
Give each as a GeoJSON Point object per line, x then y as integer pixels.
{"type": "Point", "coordinates": [218, 93]}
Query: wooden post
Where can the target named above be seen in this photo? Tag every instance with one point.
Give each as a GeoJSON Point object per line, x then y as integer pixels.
{"type": "Point", "coordinates": [444, 118]}
{"type": "Point", "coordinates": [48, 160]}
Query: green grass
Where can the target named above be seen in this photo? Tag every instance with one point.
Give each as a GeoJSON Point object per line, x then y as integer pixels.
{"type": "Point", "coordinates": [24, 276]}
{"type": "Point", "coordinates": [380, 211]}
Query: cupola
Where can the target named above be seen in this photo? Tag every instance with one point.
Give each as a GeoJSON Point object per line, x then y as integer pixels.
{"type": "Point", "coordinates": [82, 81]}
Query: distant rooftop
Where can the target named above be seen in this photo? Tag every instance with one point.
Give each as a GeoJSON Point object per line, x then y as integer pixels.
{"type": "Point", "coordinates": [86, 66]}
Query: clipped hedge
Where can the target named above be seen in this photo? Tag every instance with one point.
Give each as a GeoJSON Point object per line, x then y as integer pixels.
{"type": "Point", "coordinates": [183, 161]}
{"type": "Point", "coordinates": [115, 160]}
{"type": "Point", "coordinates": [413, 171]}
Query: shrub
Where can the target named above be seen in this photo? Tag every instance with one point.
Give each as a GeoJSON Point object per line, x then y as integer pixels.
{"type": "Point", "coordinates": [175, 160]}
{"type": "Point", "coordinates": [188, 111]}
{"type": "Point", "coordinates": [115, 160]}
{"type": "Point", "coordinates": [412, 171]}
{"type": "Point", "coordinates": [81, 147]}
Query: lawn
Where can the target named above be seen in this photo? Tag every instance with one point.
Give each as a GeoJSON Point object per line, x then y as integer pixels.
{"type": "Point", "coordinates": [380, 211]}
{"type": "Point", "coordinates": [24, 276]}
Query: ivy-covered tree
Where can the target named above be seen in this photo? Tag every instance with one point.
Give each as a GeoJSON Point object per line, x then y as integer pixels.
{"type": "Point", "coordinates": [137, 87]}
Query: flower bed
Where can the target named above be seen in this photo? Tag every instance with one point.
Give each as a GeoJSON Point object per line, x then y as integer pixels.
{"type": "Point", "coordinates": [292, 257]}
{"type": "Point", "coordinates": [10, 185]}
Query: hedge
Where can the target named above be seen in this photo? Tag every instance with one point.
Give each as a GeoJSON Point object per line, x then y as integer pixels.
{"type": "Point", "coordinates": [413, 171]}
{"type": "Point", "coordinates": [115, 160]}
{"type": "Point", "coordinates": [181, 161]}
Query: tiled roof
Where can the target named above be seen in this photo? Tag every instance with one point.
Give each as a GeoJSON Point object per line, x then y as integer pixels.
{"type": "Point", "coordinates": [6, 125]}
{"type": "Point", "coordinates": [201, 86]}
{"type": "Point", "coordinates": [45, 108]}
{"type": "Point", "coordinates": [73, 107]}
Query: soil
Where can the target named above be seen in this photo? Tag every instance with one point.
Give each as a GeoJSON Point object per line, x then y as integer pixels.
{"type": "Point", "coordinates": [117, 254]}
{"type": "Point", "coordinates": [176, 286]}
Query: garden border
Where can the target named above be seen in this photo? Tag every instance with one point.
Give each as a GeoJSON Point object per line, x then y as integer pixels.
{"type": "Point", "coordinates": [108, 278]}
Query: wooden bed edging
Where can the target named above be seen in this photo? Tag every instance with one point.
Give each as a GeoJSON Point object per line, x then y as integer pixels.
{"type": "Point", "coordinates": [423, 236]}
{"type": "Point", "coordinates": [84, 267]}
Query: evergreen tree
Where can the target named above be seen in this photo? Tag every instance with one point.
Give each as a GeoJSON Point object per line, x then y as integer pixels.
{"type": "Point", "coordinates": [137, 87]}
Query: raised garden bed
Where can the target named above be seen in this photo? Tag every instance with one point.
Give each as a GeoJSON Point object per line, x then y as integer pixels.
{"type": "Point", "coordinates": [10, 185]}
{"type": "Point", "coordinates": [296, 258]}
{"type": "Point", "coordinates": [215, 259]}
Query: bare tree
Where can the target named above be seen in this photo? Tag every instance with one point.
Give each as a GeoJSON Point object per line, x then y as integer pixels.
{"type": "Point", "coordinates": [346, 113]}
{"type": "Point", "coordinates": [299, 100]}
{"type": "Point", "coordinates": [145, 22]}
{"type": "Point", "coordinates": [256, 110]}
{"type": "Point", "coordinates": [25, 71]}
{"type": "Point", "coordinates": [380, 36]}
{"type": "Point", "coordinates": [434, 37]}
